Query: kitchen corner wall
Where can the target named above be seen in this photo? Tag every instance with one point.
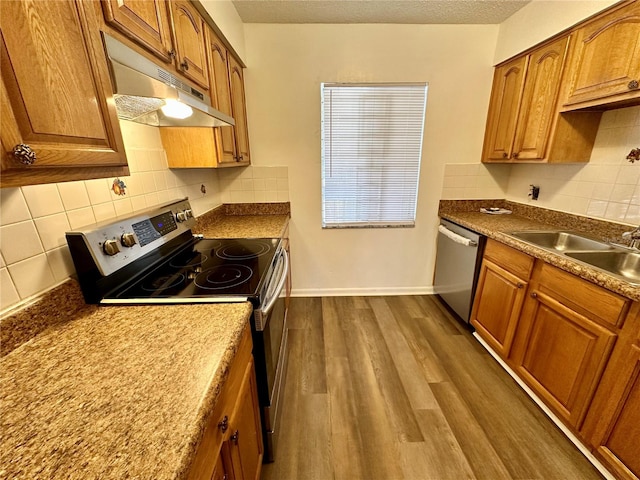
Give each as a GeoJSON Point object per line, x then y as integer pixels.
{"type": "Point", "coordinates": [607, 187]}
{"type": "Point", "coordinates": [34, 219]}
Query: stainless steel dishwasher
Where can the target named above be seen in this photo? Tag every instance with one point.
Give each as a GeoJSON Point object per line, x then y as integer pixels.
{"type": "Point", "coordinates": [459, 253]}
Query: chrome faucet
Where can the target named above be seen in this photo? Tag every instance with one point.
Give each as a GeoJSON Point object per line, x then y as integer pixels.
{"type": "Point", "coordinates": [634, 235]}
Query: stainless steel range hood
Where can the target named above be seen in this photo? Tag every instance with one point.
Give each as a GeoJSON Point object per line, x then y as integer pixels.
{"type": "Point", "coordinates": [142, 90]}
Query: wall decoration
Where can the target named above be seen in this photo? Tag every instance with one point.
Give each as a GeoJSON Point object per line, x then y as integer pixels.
{"type": "Point", "coordinates": [118, 187]}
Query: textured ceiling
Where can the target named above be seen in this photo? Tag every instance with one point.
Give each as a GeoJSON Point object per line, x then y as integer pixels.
{"type": "Point", "coordinates": [377, 11]}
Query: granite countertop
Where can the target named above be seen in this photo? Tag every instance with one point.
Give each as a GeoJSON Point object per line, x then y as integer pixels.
{"type": "Point", "coordinates": [247, 226]}
{"type": "Point", "coordinates": [263, 220]}
{"type": "Point", "coordinates": [116, 392]}
{"type": "Point", "coordinates": [496, 226]}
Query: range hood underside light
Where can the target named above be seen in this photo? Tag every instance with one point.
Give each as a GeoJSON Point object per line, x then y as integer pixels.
{"type": "Point", "coordinates": [141, 90]}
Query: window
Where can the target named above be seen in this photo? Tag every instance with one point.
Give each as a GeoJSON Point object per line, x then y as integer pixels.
{"type": "Point", "coordinates": [371, 148]}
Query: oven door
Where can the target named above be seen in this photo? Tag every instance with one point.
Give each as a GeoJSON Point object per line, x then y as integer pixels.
{"type": "Point", "coordinates": [270, 351]}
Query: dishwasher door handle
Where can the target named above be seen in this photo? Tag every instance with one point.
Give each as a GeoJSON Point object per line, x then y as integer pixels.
{"type": "Point", "coordinates": [457, 238]}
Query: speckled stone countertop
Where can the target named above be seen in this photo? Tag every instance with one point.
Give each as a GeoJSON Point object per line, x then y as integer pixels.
{"type": "Point", "coordinates": [268, 220]}
{"type": "Point", "coordinates": [115, 392]}
{"type": "Point", "coordinates": [529, 218]}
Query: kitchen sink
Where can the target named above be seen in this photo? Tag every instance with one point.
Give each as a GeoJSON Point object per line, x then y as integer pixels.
{"type": "Point", "coordinates": [560, 241]}
{"type": "Point", "coordinates": [618, 262]}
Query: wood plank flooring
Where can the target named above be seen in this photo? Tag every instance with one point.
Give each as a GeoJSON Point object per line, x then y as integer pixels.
{"type": "Point", "coordinates": [395, 388]}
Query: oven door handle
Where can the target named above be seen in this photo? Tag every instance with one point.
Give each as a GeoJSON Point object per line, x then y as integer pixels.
{"type": "Point", "coordinates": [271, 302]}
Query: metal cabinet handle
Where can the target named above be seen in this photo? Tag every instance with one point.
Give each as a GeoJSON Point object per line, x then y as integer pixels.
{"type": "Point", "coordinates": [519, 285]}
{"type": "Point", "coordinates": [505, 155]}
{"type": "Point", "coordinates": [24, 154]}
{"type": "Point", "coordinates": [534, 295]}
{"type": "Point", "coordinates": [515, 155]}
{"type": "Point", "coordinates": [185, 65]}
{"type": "Point", "coordinates": [633, 84]}
{"type": "Point", "coordinates": [223, 424]}
{"type": "Point", "coordinates": [234, 437]}
{"type": "Point", "coordinates": [172, 53]}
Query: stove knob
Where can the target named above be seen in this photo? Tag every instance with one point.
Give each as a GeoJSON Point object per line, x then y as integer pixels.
{"type": "Point", "coordinates": [188, 213]}
{"type": "Point", "coordinates": [110, 247]}
{"type": "Point", "coordinates": [181, 216]}
{"type": "Point", "coordinates": [128, 239]}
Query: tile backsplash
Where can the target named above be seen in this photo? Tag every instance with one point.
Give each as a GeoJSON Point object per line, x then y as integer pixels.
{"type": "Point", "coordinates": [607, 187]}
{"type": "Point", "coordinates": [34, 219]}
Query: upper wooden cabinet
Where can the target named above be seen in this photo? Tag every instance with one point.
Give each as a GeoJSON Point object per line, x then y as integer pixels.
{"type": "Point", "coordinates": [221, 146]}
{"type": "Point", "coordinates": [506, 96]}
{"type": "Point", "coordinates": [538, 107]}
{"type": "Point", "coordinates": [55, 86]}
{"type": "Point", "coordinates": [605, 64]}
{"type": "Point", "coordinates": [219, 77]}
{"type": "Point", "coordinates": [189, 39]}
{"type": "Point", "coordinates": [523, 123]}
{"type": "Point", "coordinates": [238, 105]}
{"type": "Point", "coordinates": [145, 22]}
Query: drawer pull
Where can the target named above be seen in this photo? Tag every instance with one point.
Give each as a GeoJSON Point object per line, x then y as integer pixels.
{"type": "Point", "coordinates": [534, 295]}
{"type": "Point", "coordinates": [633, 84]}
{"type": "Point", "coordinates": [519, 285]}
{"type": "Point", "coordinates": [24, 154]}
{"type": "Point", "coordinates": [223, 424]}
{"type": "Point", "coordinates": [234, 437]}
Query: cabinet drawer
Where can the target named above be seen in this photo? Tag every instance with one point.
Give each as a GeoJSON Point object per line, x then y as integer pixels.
{"type": "Point", "coordinates": [213, 436]}
{"type": "Point", "coordinates": [518, 263]}
{"type": "Point", "coordinates": [592, 301]}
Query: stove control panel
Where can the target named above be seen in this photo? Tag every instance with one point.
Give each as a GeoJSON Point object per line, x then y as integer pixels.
{"type": "Point", "coordinates": [114, 244]}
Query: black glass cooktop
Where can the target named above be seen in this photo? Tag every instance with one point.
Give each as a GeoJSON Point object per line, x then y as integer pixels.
{"type": "Point", "coordinates": [210, 267]}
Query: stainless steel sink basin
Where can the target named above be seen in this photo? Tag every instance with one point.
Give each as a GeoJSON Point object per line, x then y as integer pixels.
{"type": "Point", "coordinates": [560, 241]}
{"type": "Point", "coordinates": [618, 262]}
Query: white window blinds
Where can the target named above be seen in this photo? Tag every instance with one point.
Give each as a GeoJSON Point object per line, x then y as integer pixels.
{"type": "Point", "coordinates": [371, 148]}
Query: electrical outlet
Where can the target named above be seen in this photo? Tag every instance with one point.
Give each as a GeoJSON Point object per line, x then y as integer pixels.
{"type": "Point", "coordinates": [534, 191]}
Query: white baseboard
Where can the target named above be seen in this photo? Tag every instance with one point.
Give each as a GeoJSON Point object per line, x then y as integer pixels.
{"type": "Point", "coordinates": [360, 292]}
{"type": "Point", "coordinates": [594, 461]}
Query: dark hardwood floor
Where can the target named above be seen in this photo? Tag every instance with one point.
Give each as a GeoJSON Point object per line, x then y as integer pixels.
{"type": "Point", "coordinates": [395, 388]}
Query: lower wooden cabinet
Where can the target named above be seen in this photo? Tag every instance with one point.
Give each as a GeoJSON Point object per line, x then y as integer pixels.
{"type": "Point", "coordinates": [575, 344]}
{"type": "Point", "coordinates": [611, 427]}
{"type": "Point", "coordinates": [502, 284]}
{"type": "Point", "coordinates": [231, 446]}
{"type": "Point", "coordinates": [564, 339]}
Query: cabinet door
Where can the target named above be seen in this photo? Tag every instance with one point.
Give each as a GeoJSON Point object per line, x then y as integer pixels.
{"type": "Point", "coordinates": [561, 355]}
{"type": "Point", "coordinates": [145, 22]}
{"type": "Point", "coordinates": [508, 83]}
{"type": "Point", "coordinates": [221, 471]}
{"type": "Point", "coordinates": [190, 147]}
{"type": "Point", "coordinates": [539, 100]}
{"type": "Point", "coordinates": [620, 445]}
{"type": "Point", "coordinates": [221, 91]}
{"type": "Point", "coordinates": [246, 447]}
{"type": "Point", "coordinates": [239, 110]}
{"type": "Point", "coordinates": [607, 57]}
{"type": "Point", "coordinates": [497, 306]}
{"type": "Point", "coordinates": [189, 40]}
{"type": "Point", "coordinates": [55, 86]}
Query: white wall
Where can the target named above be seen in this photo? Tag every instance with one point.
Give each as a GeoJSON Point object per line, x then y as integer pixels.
{"type": "Point", "coordinates": [540, 20]}
{"type": "Point", "coordinates": [226, 18]}
{"type": "Point", "coordinates": [287, 63]}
